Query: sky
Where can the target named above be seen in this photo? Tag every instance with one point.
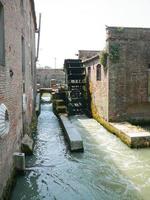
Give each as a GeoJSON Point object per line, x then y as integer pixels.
{"type": "Point", "coordinates": [72, 25]}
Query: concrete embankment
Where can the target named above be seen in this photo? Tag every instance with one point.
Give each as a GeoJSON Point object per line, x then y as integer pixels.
{"type": "Point", "coordinates": [73, 136]}
{"type": "Point", "coordinates": [133, 136]}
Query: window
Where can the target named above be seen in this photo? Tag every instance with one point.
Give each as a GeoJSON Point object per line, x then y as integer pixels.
{"type": "Point", "coordinates": [23, 62]}
{"type": "Point", "coordinates": [23, 55]}
{"type": "Point", "coordinates": [98, 72]}
{"type": "Point", "coordinates": [2, 48]}
{"type": "Point", "coordinates": [89, 73]}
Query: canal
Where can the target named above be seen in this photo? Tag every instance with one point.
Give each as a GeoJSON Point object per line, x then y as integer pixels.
{"type": "Point", "coordinates": [107, 170]}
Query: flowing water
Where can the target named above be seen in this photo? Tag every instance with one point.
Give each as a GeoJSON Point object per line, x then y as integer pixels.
{"type": "Point", "coordinates": [107, 170]}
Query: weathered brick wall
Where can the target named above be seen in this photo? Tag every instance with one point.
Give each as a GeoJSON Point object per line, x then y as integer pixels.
{"type": "Point", "coordinates": [30, 73]}
{"type": "Point", "coordinates": [128, 74]}
{"type": "Point", "coordinates": [11, 89]}
{"type": "Point", "coordinates": [98, 88]}
{"type": "Point", "coordinates": [45, 75]}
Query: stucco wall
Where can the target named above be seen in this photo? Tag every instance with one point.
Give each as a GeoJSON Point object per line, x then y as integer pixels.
{"type": "Point", "coordinates": [98, 88]}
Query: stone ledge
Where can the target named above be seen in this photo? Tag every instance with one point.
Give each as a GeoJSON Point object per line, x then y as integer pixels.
{"type": "Point", "coordinates": [133, 136]}
{"type": "Point", "coordinates": [73, 137]}
{"type": "Point", "coordinates": [137, 136]}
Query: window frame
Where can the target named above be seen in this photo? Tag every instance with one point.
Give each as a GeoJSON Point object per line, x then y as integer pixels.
{"type": "Point", "coordinates": [98, 72]}
{"type": "Point", "coordinates": [89, 72]}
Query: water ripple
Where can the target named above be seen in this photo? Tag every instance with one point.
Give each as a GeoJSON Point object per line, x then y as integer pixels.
{"type": "Point", "coordinates": [107, 170]}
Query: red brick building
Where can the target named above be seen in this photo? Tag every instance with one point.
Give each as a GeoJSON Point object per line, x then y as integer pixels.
{"type": "Point", "coordinates": [17, 78]}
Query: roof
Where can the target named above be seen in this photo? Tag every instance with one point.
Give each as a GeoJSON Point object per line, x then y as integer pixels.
{"type": "Point", "coordinates": [91, 59]}
{"type": "Point", "coordinates": [125, 27]}
{"type": "Point", "coordinates": [86, 54]}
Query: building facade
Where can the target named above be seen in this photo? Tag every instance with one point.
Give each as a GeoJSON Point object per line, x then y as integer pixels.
{"type": "Point", "coordinates": [119, 80]}
{"type": "Point", "coordinates": [45, 75]}
{"type": "Point", "coordinates": [17, 79]}
{"type": "Point", "coordinates": [97, 84]}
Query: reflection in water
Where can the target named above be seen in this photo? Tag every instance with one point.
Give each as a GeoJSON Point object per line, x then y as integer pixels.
{"type": "Point", "coordinates": [107, 170]}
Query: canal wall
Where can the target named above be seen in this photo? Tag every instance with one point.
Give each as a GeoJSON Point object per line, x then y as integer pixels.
{"type": "Point", "coordinates": [17, 70]}
{"type": "Point", "coordinates": [133, 136]}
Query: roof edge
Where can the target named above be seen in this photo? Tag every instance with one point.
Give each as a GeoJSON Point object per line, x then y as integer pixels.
{"type": "Point", "coordinates": [126, 27]}
{"type": "Point", "coordinates": [33, 13]}
{"type": "Point", "coordinates": [92, 58]}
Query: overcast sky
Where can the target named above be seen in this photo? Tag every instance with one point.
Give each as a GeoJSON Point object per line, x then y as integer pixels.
{"type": "Point", "coordinates": [72, 25]}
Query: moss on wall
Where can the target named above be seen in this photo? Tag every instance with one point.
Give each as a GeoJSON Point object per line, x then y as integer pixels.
{"type": "Point", "coordinates": [108, 126]}
{"type": "Point", "coordinates": [114, 53]}
{"type": "Point", "coordinates": [33, 125]}
{"type": "Point", "coordinates": [9, 185]}
{"type": "Point", "coordinates": [103, 58]}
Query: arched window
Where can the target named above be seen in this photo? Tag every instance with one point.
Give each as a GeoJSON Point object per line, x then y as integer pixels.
{"type": "Point", "coordinates": [2, 49]}
{"type": "Point", "coordinates": [98, 72]}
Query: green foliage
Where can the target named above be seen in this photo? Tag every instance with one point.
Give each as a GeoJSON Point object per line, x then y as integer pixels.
{"type": "Point", "coordinates": [114, 53]}
{"type": "Point", "coordinates": [103, 58]}
{"type": "Point", "coordinates": [120, 29]}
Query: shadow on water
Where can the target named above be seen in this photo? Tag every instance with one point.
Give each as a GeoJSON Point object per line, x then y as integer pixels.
{"type": "Point", "coordinates": [55, 173]}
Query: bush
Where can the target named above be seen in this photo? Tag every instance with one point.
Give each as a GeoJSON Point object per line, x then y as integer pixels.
{"type": "Point", "coordinates": [103, 58]}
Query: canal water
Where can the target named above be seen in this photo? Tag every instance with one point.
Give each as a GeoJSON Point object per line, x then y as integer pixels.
{"type": "Point", "coordinates": [107, 170]}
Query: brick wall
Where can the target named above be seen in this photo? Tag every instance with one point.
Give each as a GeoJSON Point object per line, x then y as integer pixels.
{"type": "Point", "coordinates": [16, 25]}
{"type": "Point", "coordinates": [45, 75]}
{"type": "Point", "coordinates": [123, 93]}
{"type": "Point", "coordinates": [128, 76]}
